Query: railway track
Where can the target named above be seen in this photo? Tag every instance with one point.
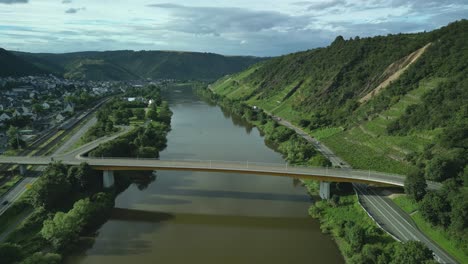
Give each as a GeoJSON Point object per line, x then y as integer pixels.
{"type": "Point", "coordinates": [41, 144]}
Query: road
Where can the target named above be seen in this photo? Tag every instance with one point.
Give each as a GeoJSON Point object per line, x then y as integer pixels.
{"type": "Point", "coordinates": [22, 186]}
{"type": "Point", "coordinates": [383, 210]}
{"type": "Point", "coordinates": [248, 167]}
{"type": "Point", "coordinates": [77, 136]}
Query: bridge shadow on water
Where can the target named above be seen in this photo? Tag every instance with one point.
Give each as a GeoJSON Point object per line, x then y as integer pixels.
{"type": "Point", "coordinates": [224, 194]}
{"type": "Point", "coordinates": [266, 222]}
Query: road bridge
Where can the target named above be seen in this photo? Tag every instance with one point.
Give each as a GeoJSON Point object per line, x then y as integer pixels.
{"type": "Point", "coordinates": [109, 165]}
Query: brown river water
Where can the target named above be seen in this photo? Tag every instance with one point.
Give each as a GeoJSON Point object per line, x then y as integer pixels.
{"type": "Point", "coordinates": [199, 217]}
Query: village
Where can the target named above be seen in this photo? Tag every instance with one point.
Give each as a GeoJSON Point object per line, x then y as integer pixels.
{"type": "Point", "coordinates": [33, 104]}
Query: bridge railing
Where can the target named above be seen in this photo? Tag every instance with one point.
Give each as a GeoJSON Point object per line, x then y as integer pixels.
{"type": "Point", "coordinates": [265, 167]}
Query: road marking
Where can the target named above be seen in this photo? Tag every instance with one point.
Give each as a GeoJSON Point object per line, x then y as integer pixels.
{"type": "Point", "coordinates": [382, 213]}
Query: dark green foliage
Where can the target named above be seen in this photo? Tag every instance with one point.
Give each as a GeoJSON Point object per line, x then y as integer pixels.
{"type": "Point", "coordinates": [130, 65]}
{"type": "Point", "coordinates": [141, 142]}
{"type": "Point", "coordinates": [10, 253]}
{"type": "Point", "coordinates": [354, 235]}
{"type": "Point", "coordinates": [52, 188]}
{"type": "Point", "coordinates": [435, 209]}
{"type": "Point", "coordinates": [412, 252]}
{"type": "Point", "coordinates": [139, 113]}
{"type": "Point", "coordinates": [83, 178]}
{"type": "Point", "coordinates": [43, 258]}
{"type": "Point", "coordinates": [444, 106]}
{"type": "Point", "coordinates": [14, 138]}
{"type": "Point", "coordinates": [415, 185]}
{"type": "Point", "coordinates": [11, 65]}
{"type": "Point", "coordinates": [64, 228]}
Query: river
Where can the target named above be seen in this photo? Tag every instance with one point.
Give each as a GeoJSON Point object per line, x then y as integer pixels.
{"type": "Point", "coordinates": [198, 217]}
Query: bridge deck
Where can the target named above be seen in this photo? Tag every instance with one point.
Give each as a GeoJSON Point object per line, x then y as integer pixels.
{"type": "Point", "coordinates": [319, 173]}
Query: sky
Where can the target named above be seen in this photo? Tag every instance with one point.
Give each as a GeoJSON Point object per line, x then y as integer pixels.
{"type": "Point", "coordinates": [235, 27]}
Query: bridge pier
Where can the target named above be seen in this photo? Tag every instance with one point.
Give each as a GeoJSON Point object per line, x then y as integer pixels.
{"type": "Point", "coordinates": [23, 169]}
{"type": "Point", "coordinates": [108, 178]}
{"type": "Point", "coordinates": [324, 190]}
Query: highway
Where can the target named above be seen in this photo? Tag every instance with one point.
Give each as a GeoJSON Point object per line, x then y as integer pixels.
{"type": "Point", "coordinates": [382, 209]}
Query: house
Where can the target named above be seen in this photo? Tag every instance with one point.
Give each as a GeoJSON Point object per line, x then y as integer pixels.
{"type": "Point", "coordinates": [26, 111]}
{"type": "Point", "coordinates": [4, 117]}
{"type": "Point", "coordinates": [69, 108]}
{"type": "Point", "coordinates": [59, 118]}
{"type": "Point", "coordinates": [1, 107]}
{"type": "Point", "coordinates": [46, 106]}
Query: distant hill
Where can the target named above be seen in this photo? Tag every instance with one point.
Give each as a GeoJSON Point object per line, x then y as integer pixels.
{"type": "Point", "coordinates": [126, 65]}
{"type": "Point", "coordinates": [11, 65]}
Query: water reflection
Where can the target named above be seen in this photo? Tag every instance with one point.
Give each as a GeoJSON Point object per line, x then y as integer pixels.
{"type": "Point", "coordinates": [196, 217]}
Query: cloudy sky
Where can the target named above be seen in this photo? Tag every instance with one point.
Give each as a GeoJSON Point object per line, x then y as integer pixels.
{"type": "Point", "coordinates": [235, 27]}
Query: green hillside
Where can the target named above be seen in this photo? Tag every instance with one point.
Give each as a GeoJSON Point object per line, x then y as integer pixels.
{"type": "Point", "coordinates": [125, 65]}
{"type": "Point", "coordinates": [332, 92]}
{"type": "Point", "coordinates": [11, 65]}
{"type": "Point", "coordinates": [397, 103]}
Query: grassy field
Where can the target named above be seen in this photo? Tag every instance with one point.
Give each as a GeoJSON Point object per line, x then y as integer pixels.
{"type": "Point", "coordinates": [441, 237]}
{"type": "Point", "coordinates": [406, 204]}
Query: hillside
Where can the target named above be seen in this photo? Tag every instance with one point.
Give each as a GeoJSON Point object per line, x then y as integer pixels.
{"type": "Point", "coordinates": [397, 103]}
{"type": "Point", "coordinates": [125, 65]}
{"type": "Point", "coordinates": [11, 65]}
{"type": "Point", "coordinates": [362, 95]}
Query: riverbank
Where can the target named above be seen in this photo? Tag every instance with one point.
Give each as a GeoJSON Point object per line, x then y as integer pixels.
{"type": "Point", "coordinates": [68, 203]}
{"type": "Point", "coordinates": [360, 240]}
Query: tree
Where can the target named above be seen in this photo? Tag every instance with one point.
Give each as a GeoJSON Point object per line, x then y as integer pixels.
{"type": "Point", "coordinates": [83, 175]}
{"type": "Point", "coordinates": [459, 214]}
{"type": "Point", "coordinates": [415, 185]}
{"type": "Point", "coordinates": [140, 113]}
{"type": "Point", "coordinates": [152, 114]}
{"type": "Point", "coordinates": [52, 188]}
{"type": "Point", "coordinates": [411, 252]}
{"type": "Point", "coordinates": [435, 209]}
{"type": "Point", "coordinates": [62, 230]}
{"type": "Point", "coordinates": [10, 253]}
{"type": "Point", "coordinates": [354, 234]}
{"type": "Point", "coordinates": [37, 108]}
{"type": "Point", "coordinates": [14, 139]}
{"type": "Point", "coordinates": [43, 258]}
{"type": "Point", "coordinates": [165, 113]}
{"type": "Point", "coordinates": [440, 168]}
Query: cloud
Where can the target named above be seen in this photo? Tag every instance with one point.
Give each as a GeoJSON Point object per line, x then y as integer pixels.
{"type": "Point", "coordinates": [236, 27]}
{"type": "Point", "coordinates": [74, 10]}
{"type": "Point", "coordinates": [9, 2]}
{"type": "Point", "coordinates": [227, 20]}
{"type": "Point", "coordinates": [326, 4]}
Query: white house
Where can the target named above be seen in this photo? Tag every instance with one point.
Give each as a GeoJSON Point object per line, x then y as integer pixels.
{"type": "Point", "coordinates": [59, 118]}
{"type": "Point", "coordinates": [45, 105]}
{"type": "Point", "coordinates": [26, 111]}
{"type": "Point", "coordinates": [4, 117]}
{"type": "Point", "coordinates": [70, 108]}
